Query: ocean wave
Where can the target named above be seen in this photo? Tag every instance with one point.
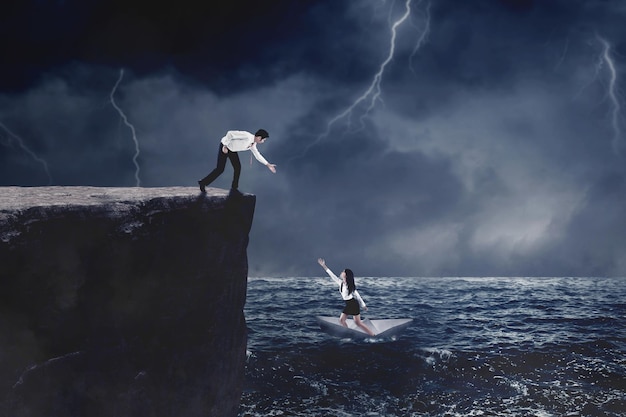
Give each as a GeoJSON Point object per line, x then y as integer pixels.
{"type": "Point", "coordinates": [501, 347]}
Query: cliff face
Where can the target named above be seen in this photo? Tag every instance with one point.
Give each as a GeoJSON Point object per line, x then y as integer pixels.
{"type": "Point", "coordinates": [122, 301]}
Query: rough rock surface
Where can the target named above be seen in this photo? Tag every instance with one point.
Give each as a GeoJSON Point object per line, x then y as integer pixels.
{"type": "Point", "coordinates": [122, 301]}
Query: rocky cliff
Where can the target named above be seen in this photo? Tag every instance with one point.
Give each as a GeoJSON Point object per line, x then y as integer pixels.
{"type": "Point", "coordinates": [122, 301]}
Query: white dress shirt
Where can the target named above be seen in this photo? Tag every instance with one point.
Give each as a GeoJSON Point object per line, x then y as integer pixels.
{"type": "Point", "coordinates": [240, 140]}
{"type": "Point", "coordinates": [343, 289]}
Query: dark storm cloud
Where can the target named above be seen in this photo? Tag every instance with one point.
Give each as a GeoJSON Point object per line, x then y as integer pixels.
{"type": "Point", "coordinates": [488, 153]}
{"type": "Point", "coordinates": [203, 40]}
{"type": "Point", "coordinates": [505, 114]}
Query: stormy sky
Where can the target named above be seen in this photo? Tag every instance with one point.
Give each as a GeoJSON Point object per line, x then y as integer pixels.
{"type": "Point", "coordinates": [411, 138]}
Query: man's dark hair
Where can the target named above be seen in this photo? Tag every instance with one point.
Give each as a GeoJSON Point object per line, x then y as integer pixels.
{"type": "Point", "coordinates": [263, 133]}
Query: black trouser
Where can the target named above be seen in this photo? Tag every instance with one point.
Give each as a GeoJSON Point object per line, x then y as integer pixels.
{"type": "Point", "coordinates": [221, 164]}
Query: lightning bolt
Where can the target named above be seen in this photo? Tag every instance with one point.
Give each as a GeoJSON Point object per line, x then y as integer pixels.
{"type": "Point", "coordinates": [28, 151]}
{"type": "Point", "coordinates": [421, 40]}
{"type": "Point", "coordinates": [606, 58]}
{"type": "Point", "coordinates": [130, 126]}
{"type": "Point", "coordinates": [372, 94]}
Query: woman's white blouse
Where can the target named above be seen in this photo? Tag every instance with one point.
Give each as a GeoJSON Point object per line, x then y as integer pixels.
{"type": "Point", "coordinates": [343, 289]}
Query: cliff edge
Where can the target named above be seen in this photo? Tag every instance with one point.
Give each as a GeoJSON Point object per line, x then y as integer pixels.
{"type": "Point", "coordinates": [122, 301]}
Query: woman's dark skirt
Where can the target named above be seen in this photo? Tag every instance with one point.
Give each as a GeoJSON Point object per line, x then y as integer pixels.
{"type": "Point", "coordinates": [352, 308]}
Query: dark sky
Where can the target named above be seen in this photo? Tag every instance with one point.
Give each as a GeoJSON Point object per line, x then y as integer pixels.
{"type": "Point", "coordinates": [449, 138]}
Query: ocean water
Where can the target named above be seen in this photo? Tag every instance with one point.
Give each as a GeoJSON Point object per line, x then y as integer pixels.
{"type": "Point", "coordinates": [477, 347]}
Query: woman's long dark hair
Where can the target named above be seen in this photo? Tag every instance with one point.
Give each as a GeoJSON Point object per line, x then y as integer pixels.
{"type": "Point", "coordinates": [350, 280]}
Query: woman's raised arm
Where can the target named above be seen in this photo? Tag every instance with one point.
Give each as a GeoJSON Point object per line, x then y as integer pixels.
{"type": "Point", "coordinates": [328, 271]}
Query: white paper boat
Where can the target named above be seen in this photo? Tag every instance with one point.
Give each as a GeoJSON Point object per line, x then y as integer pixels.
{"type": "Point", "coordinates": [382, 328]}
